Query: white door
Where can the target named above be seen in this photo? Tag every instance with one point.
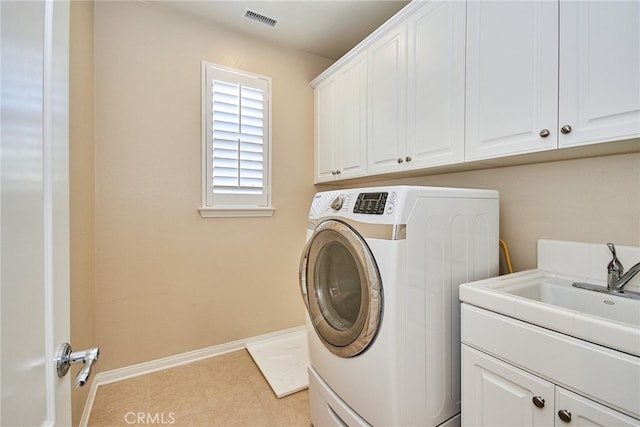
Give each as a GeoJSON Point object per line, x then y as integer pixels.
{"type": "Point", "coordinates": [325, 99]}
{"type": "Point", "coordinates": [512, 78]}
{"type": "Point", "coordinates": [387, 122]}
{"type": "Point", "coordinates": [436, 82]}
{"type": "Point", "coordinates": [497, 394]}
{"type": "Point", "coordinates": [599, 69]}
{"type": "Point", "coordinates": [34, 215]}
{"type": "Point", "coordinates": [351, 141]}
{"type": "Point", "coordinates": [575, 409]}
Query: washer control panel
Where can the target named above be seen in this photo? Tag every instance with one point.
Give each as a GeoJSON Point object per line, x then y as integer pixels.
{"type": "Point", "coordinates": [371, 203]}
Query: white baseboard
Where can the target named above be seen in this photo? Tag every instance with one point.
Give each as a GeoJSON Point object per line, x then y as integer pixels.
{"type": "Point", "coordinates": [132, 371]}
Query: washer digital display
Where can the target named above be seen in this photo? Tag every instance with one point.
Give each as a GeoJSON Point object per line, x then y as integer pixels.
{"type": "Point", "coordinates": [370, 203]}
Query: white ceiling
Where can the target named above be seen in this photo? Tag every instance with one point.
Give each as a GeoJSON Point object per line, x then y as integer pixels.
{"type": "Point", "coordinates": [327, 28]}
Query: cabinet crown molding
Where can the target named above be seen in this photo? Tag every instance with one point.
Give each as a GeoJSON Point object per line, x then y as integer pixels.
{"type": "Point", "coordinates": [396, 19]}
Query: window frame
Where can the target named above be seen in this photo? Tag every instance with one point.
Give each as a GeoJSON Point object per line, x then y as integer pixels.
{"type": "Point", "coordinates": [232, 205]}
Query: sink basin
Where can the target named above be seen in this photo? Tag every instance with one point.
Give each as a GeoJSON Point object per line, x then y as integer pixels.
{"type": "Point", "coordinates": [559, 292]}
{"type": "Point", "coordinates": [549, 300]}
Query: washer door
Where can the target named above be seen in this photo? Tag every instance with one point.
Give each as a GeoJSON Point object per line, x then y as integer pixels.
{"type": "Point", "coordinates": [341, 286]}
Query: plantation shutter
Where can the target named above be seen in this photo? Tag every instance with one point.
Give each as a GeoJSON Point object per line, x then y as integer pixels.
{"type": "Point", "coordinates": [238, 134]}
{"type": "Point", "coordinates": [238, 153]}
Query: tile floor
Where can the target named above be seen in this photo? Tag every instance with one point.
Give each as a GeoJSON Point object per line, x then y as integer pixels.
{"type": "Point", "coordinates": [226, 390]}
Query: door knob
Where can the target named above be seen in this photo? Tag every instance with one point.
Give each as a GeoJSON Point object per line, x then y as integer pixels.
{"type": "Point", "coordinates": [565, 129]}
{"type": "Point", "coordinates": [544, 133]}
{"type": "Point", "coordinates": [65, 357]}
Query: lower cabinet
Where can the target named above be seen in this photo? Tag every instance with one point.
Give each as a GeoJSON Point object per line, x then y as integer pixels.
{"type": "Point", "coordinates": [496, 393]}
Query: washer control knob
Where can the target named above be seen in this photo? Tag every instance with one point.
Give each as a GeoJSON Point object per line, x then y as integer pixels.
{"type": "Point", "coordinates": [337, 203]}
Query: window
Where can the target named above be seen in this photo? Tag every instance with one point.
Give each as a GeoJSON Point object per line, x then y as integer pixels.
{"type": "Point", "coordinates": [235, 143]}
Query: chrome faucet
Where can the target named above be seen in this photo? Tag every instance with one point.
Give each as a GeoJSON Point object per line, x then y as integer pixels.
{"type": "Point", "coordinates": [616, 280]}
{"type": "Point", "coordinates": [614, 269]}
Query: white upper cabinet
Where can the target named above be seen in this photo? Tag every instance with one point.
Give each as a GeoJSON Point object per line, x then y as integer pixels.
{"type": "Point", "coordinates": [512, 78]}
{"type": "Point", "coordinates": [352, 117]}
{"type": "Point", "coordinates": [599, 71]}
{"type": "Point", "coordinates": [416, 87]}
{"type": "Point", "coordinates": [446, 82]}
{"type": "Point", "coordinates": [521, 98]}
{"type": "Point", "coordinates": [436, 76]}
{"type": "Point", "coordinates": [325, 129]}
{"type": "Point", "coordinates": [340, 123]}
{"type": "Point", "coordinates": [387, 117]}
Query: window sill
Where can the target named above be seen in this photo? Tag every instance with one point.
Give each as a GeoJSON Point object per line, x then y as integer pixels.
{"type": "Point", "coordinates": [235, 212]}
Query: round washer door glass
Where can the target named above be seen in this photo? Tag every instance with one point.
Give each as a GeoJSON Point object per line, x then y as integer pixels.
{"type": "Point", "coordinates": [343, 287]}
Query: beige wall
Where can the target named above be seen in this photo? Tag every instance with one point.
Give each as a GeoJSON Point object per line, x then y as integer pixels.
{"type": "Point", "coordinates": [81, 187]}
{"type": "Point", "coordinates": [168, 281]}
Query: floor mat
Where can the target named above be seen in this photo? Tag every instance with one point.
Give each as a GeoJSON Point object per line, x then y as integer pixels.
{"type": "Point", "coordinates": [283, 362]}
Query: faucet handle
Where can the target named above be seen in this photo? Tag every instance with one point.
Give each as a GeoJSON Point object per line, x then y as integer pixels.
{"type": "Point", "coordinates": [614, 268]}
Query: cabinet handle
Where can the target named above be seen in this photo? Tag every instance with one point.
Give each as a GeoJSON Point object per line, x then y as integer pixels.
{"type": "Point", "coordinates": [564, 415]}
{"type": "Point", "coordinates": [400, 160]}
{"type": "Point", "coordinates": [544, 133]}
{"type": "Point", "coordinates": [338, 172]}
{"type": "Point", "coordinates": [408, 159]}
{"type": "Point", "coordinates": [565, 129]}
{"type": "Point", "coordinates": [538, 401]}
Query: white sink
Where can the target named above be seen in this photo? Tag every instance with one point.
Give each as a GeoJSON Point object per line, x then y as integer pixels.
{"type": "Point", "coordinates": [549, 300]}
{"type": "Point", "coordinates": [559, 292]}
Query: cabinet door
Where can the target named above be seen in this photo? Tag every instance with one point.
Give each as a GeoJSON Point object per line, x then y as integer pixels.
{"type": "Point", "coordinates": [387, 101]}
{"type": "Point", "coordinates": [584, 412]}
{"type": "Point", "coordinates": [599, 71]}
{"type": "Point", "coordinates": [435, 110]}
{"type": "Point", "coordinates": [352, 118]}
{"type": "Point", "coordinates": [512, 78]}
{"type": "Point", "coordinates": [496, 394]}
{"type": "Point", "coordinates": [325, 99]}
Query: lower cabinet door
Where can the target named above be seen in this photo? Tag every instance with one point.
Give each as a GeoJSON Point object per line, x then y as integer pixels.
{"type": "Point", "coordinates": [495, 393]}
{"type": "Point", "coordinates": [573, 409]}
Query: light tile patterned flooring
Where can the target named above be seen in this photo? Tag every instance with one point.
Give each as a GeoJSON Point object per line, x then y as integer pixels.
{"type": "Point", "coordinates": [226, 390]}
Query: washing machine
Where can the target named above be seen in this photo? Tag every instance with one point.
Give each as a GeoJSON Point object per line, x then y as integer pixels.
{"type": "Point", "coordinates": [379, 277]}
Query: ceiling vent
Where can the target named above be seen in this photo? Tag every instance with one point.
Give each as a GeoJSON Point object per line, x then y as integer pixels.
{"type": "Point", "coordinates": [260, 18]}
